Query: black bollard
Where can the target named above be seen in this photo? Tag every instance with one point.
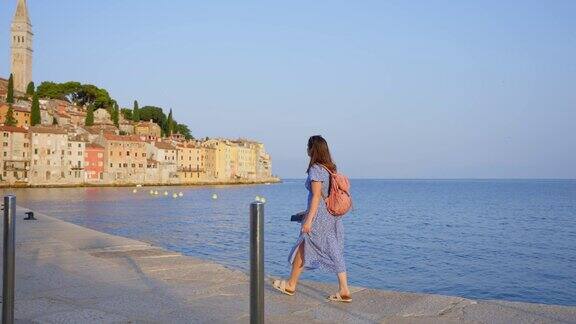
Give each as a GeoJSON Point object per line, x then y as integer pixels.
{"type": "Point", "coordinates": [8, 266]}
{"type": "Point", "coordinates": [257, 263]}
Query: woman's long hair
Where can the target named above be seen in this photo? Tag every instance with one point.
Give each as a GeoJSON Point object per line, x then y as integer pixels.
{"type": "Point", "coordinates": [319, 153]}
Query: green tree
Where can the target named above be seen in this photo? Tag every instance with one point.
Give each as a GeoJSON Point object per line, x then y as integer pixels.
{"type": "Point", "coordinates": [154, 113]}
{"type": "Point", "coordinates": [30, 89]}
{"type": "Point", "coordinates": [10, 120]}
{"type": "Point", "coordinates": [116, 115]}
{"type": "Point", "coordinates": [184, 130]}
{"type": "Point", "coordinates": [169, 125]}
{"type": "Point", "coordinates": [35, 117]}
{"type": "Point", "coordinates": [136, 112]}
{"type": "Point", "coordinates": [10, 94]}
{"type": "Point", "coordinates": [75, 92]}
{"type": "Point", "coordinates": [89, 121]}
{"type": "Point", "coordinates": [127, 113]}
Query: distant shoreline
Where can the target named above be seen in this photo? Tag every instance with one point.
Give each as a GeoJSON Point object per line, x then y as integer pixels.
{"type": "Point", "coordinates": [124, 185]}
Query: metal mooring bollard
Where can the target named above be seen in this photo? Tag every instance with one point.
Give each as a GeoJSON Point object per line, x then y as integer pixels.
{"type": "Point", "coordinates": [257, 263]}
{"type": "Point", "coordinates": [8, 269]}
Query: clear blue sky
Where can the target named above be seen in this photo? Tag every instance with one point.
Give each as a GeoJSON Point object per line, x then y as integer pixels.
{"type": "Point", "coordinates": [401, 89]}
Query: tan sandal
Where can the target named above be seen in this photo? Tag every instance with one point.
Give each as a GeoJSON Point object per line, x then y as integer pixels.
{"type": "Point", "coordinates": [280, 285]}
{"type": "Point", "coordinates": [342, 299]}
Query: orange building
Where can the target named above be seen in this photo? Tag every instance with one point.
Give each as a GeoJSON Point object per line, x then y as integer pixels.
{"type": "Point", "coordinates": [125, 158]}
{"type": "Point", "coordinates": [94, 162]}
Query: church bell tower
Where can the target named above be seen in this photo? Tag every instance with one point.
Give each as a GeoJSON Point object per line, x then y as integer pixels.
{"type": "Point", "coordinates": [21, 33]}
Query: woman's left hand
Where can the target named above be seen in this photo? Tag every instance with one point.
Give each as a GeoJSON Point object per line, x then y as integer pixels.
{"type": "Point", "coordinates": [306, 227]}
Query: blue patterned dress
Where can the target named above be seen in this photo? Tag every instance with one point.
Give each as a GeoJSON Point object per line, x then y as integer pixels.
{"type": "Point", "coordinates": [324, 245]}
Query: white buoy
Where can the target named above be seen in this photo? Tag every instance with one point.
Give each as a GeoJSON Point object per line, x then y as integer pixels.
{"type": "Point", "coordinates": [180, 194]}
{"type": "Point", "coordinates": [214, 196]}
{"type": "Point", "coordinates": [151, 192]}
{"type": "Point", "coordinates": [156, 192]}
{"type": "Point", "coordinates": [175, 195]}
{"type": "Point", "coordinates": [165, 193]}
{"type": "Point", "coordinates": [257, 198]}
{"type": "Point", "coordinates": [134, 191]}
{"type": "Point", "coordinates": [262, 200]}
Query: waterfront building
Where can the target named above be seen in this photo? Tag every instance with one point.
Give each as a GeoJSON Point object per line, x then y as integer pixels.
{"type": "Point", "coordinates": [165, 155]}
{"type": "Point", "coordinates": [246, 159]}
{"type": "Point", "coordinates": [191, 159]}
{"type": "Point", "coordinates": [148, 129]}
{"type": "Point", "coordinates": [48, 148]}
{"type": "Point", "coordinates": [21, 56]}
{"type": "Point", "coordinates": [264, 163]}
{"type": "Point", "coordinates": [15, 155]}
{"type": "Point", "coordinates": [223, 158]}
{"type": "Point", "coordinates": [209, 162]}
{"type": "Point", "coordinates": [94, 163]}
{"type": "Point", "coordinates": [125, 158]}
{"type": "Point", "coordinates": [74, 159]}
{"type": "Point", "coordinates": [21, 114]}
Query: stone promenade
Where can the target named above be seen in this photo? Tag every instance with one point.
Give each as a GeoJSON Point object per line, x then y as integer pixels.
{"type": "Point", "coordinates": [71, 274]}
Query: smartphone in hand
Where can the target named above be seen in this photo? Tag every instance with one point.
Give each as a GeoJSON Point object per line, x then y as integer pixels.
{"type": "Point", "coordinates": [298, 217]}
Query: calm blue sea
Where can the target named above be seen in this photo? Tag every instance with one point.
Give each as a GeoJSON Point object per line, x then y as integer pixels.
{"type": "Point", "coordinates": [490, 239]}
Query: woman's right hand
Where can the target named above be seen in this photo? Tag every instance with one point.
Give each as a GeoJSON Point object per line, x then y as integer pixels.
{"type": "Point", "coordinates": [306, 227]}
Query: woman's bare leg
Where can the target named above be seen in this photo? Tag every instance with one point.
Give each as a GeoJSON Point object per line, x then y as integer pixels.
{"type": "Point", "coordinates": [297, 267]}
{"type": "Point", "coordinates": [343, 284]}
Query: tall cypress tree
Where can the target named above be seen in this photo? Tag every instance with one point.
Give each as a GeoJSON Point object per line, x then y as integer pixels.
{"type": "Point", "coordinates": [10, 120]}
{"type": "Point", "coordinates": [116, 115]}
{"type": "Point", "coordinates": [136, 112]}
{"type": "Point", "coordinates": [169, 124]}
{"type": "Point", "coordinates": [30, 88]}
{"type": "Point", "coordinates": [10, 94]}
{"type": "Point", "coordinates": [89, 121]}
{"type": "Point", "coordinates": [35, 117]}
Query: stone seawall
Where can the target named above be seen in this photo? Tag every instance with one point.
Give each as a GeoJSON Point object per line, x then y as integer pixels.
{"type": "Point", "coordinates": [67, 273]}
{"type": "Point", "coordinates": [130, 184]}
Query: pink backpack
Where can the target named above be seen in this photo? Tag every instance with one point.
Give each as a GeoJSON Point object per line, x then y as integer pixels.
{"type": "Point", "coordinates": [339, 200]}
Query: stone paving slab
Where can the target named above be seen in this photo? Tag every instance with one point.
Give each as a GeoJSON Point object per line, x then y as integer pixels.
{"type": "Point", "coordinates": [71, 274]}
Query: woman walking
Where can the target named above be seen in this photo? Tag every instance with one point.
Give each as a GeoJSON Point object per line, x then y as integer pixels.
{"type": "Point", "coordinates": [321, 241]}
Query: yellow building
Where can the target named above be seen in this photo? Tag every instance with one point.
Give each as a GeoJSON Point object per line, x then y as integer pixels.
{"type": "Point", "coordinates": [21, 114]}
{"type": "Point", "coordinates": [223, 158]}
{"type": "Point", "coordinates": [191, 162]}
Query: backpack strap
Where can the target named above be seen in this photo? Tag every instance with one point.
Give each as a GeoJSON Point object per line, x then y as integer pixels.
{"type": "Point", "coordinates": [330, 174]}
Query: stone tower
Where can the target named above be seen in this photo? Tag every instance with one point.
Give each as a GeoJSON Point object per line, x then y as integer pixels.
{"type": "Point", "coordinates": [21, 47]}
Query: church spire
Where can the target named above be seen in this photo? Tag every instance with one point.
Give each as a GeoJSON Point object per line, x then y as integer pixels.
{"type": "Point", "coordinates": [21, 12]}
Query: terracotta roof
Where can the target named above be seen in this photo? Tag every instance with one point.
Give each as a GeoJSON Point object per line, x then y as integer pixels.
{"type": "Point", "coordinates": [122, 138]}
{"type": "Point", "coordinates": [13, 129]}
{"type": "Point", "coordinates": [47, 130]}
{"type": "Point", "coordinates": [164, 146]}
{"type": "Point", "coordinates": [94, 146]}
